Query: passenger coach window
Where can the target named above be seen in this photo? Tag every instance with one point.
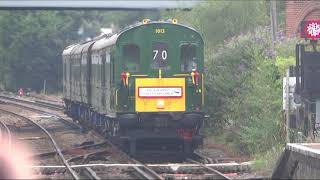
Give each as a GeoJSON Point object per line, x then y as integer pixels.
{"type": "Point", "coordinates": [188, 58]}
{"type": "Point", "coordinates": [131, 54]}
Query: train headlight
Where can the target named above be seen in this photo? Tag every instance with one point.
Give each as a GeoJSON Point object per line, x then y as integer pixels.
{"type": "Point", "coordinates": [146, 21]}
{"type": "Point", "coordinates": [160, 104]}
{"type": "Point", "coordinates": [174, 21]}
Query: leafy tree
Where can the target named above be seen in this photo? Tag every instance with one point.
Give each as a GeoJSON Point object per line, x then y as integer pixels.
{"type": "Point", "coordinates": [221, 20]}
{"type": "Point", "coordinates": [31, 42]}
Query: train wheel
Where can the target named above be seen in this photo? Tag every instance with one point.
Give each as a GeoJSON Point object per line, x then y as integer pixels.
{"type": "Point", "coordinates": [115, 128]}
{"type": "Point", "coordinates": [133, 147]}
{"type": "Point", "coordinates": [187, 147]}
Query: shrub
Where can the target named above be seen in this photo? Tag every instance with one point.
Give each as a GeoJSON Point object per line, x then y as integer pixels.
{"type": "Point", "coordinates": [244, 90]}
{"type": "Point", "coordinates": [229, 70]}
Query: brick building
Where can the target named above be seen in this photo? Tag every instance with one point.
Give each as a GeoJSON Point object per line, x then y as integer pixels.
{"type": "Point", "coordinates": [297, 11]}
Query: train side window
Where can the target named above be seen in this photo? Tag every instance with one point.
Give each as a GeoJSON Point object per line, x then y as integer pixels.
{"type": "Point", "coordinates": [131, 55]}
{"type": "Point", "coordinates": [188, 57]}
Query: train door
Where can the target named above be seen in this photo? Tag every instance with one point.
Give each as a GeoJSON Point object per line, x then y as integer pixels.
{"type": "Point", "coordinates": [94, 80]}
{"type": "Point", "coordinates": [84, 76]}
{"type": "Point", "coordinates": [80, 78]}
{"type": "Point", "coordinates": [69, 76]}
{"type": "Point", "coordinates": [103, 80]}
{"type": "Point", "coordinates": [88, 80]}
{"type": "Point", "coordinates": [65, 61]}
{"type": "Point", "coordinates": [98, 83]}
{"type": "Point", "coordinates": [107, 79]}
{"type": "Point", "coordinates": [63, 75]}
{"type": "Point", "coordinates": [72, 80]}
{"type": "Point", "coordinates": [113, 94]}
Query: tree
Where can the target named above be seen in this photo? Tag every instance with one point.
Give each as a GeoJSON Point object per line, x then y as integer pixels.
{"type": "Point", "coordinates": [218, 21]}
{"type": "Point", "coordinates": [31, 42]}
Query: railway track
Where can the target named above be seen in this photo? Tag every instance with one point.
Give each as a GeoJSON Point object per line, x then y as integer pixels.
{"type": "Point", "coordinates": [143, 171]}
{"type": "Point", "coordinates": [139, 169]}
{"type": "Point", "coordinates": [44, 104]}
{"type": "Point", "coordinates": [73, 174]}
{"type": "Point", "coordinates": [5, 133]}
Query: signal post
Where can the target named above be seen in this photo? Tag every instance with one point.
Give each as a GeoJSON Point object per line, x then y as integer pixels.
{"type": "Point", "coordinates": [307, 72]}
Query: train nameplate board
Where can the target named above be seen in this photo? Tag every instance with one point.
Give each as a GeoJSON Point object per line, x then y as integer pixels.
{"type": "Point", "coordinates": [150, 92]}
{"type": "Point", "coordinates": [169, 92]}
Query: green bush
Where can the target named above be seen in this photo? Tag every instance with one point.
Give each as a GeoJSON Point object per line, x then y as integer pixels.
{"type": "Point", "coordinates": [228, 72]}
{"type": "Point", "coordinates": [256, 112]}
{"type": "Point", "coordinates": [244, 90]}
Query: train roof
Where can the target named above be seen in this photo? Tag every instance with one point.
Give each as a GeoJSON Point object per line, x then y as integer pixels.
{"type": "Point", "coordinates": [139, 24]}
{"type": "Point", "coordinates": [68, 49]}
{"type": "Point", "coordinates": [108, 40]}
{"type": "Point", "coordinates": [77, 49]}
{"type": "Point", "coordinates": [86, 46]}
{"type": "Point", "coordinates": [104, 42]}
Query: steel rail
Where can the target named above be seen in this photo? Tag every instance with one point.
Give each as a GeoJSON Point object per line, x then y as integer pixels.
{"type": "Point", "coordinates": [24, 106]}
{"type": "Point", "coordinates": [91, 174]}
{"type": "Point", "coordinates": [142, 169]}
{"type": "Point", "coordinates": [8, 132]}
{"type": "Point", "coordinates": [139, 165]}
{"type": "Point", "coordinates": [73, 173]}
{"type": "Point", "coordinates": [88, 165]}
{"type": "Point", "coordinates": [36, 103]}
{"type": "Point", "coordinates": [50, 105]}
{"type": "Point", "coordinates": [146, 172]}
{"type": "Point", "coordinates": [205, 158]}
{"type": "Point", "coordinates": [52, 153]}
{"type": "Point", "coordinates": [221, 176]}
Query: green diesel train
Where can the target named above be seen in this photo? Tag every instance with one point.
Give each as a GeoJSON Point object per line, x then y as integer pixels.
{"type": "Point", "coordinates": [142, 84]}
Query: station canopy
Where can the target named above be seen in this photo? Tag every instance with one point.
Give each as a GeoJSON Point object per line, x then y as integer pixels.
{"type": "Point", "coordinates": [98, 4]}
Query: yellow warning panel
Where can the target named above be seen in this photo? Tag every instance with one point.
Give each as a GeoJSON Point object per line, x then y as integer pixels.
{"type": "Point", "coordinates": [160, 94]}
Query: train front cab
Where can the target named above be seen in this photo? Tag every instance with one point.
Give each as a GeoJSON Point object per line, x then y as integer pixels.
{"type": "Point", "coordinates": [161, 94]}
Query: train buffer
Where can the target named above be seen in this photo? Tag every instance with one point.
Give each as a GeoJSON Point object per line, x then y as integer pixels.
{"type": "Point", "coordinates": [299, 161]}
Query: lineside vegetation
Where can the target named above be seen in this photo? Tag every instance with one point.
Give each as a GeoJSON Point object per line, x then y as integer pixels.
{"type": "Point", "coordinates": [244, 75]}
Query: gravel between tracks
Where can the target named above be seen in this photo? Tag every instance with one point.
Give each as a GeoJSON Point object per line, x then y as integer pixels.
{"type": "Point", "coordinates": [66, 136]}
{"type": "Point", "coordinates": [69, 137]}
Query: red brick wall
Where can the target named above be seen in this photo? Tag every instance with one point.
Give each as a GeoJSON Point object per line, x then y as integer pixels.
{"type": "Point", "coordinates": [297, 11]}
